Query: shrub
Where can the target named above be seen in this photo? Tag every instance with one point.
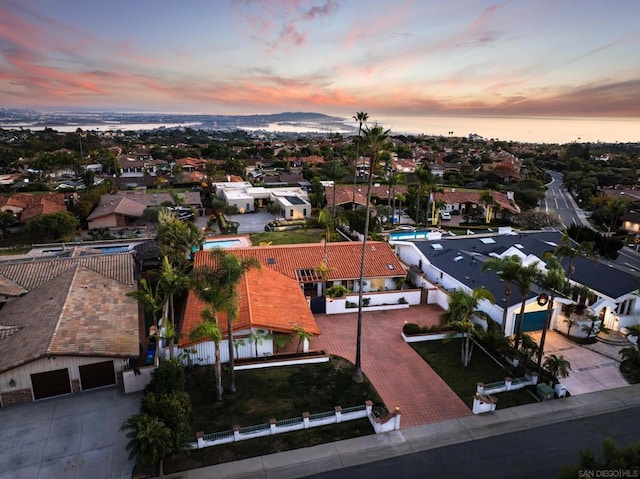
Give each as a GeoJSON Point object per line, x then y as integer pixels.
{"type": "Point", "coordinates": [337, 291]}
{"type": "Point", "coordinates": [366, 302]}
{"type": "Point", "coordinates": [350, 304]}
{"type": "Point", "coordinates": [411, 328]}
{"type": "Point", "coordinates": [402, 300]}
{"type": "Point", "coordinates": [168, 378]}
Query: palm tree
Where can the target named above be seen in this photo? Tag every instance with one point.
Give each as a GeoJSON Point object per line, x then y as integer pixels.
{"type": "Point", "coordinates": [567, 249]}
{"type": "Point", "coordinates": [150, 440]}
{"type": "Point", "coordinates": [229, 272]}
{"type": "Point", "coordinates": [177, 239]}
{"type": "Point", "coordinates": [462, 307]}
{"type": "Point", "coordinates": [302, 335]}
{"type": "Point", "coordinates": [172, 282]}
{"type": "Point", "coordinates": [375, 139]}
{"type": "Point", "coordinates": [557, 366]}
{"type": "Point", "coordinates": [334, 171]}
{"type": "Point", "coordinates": [507, 269]}
{"type": "Point", "coordinates": [428, 179]}
{"type": "Point", "coordinates": [205, 285]}
{"type": "Point", "coordinates": [486, 198]}
{"type": "Point", "coordinates": [325, 218]}
{"type": "Point", "coordinates": [361, 117]}
{"type": "Point", "coordinates": [151, 300]}
{"type": "Point", "coordinates": [570, 324]}
{"type": "Point", "coordinates": [552, 281]}
{"type": "Point", "coordinates": [208, 329]}
{"type": "Point", "coordinates": [526, 277]}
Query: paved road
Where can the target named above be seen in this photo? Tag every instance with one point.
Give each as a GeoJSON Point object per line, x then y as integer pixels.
{"type": "Point", "coordinates": [558, 199]}
{"type": "Point", "coordinates": [535, 453]}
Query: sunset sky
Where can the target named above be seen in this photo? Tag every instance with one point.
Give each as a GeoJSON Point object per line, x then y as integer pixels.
{"type": "Point", "coordinates": [466, 57]}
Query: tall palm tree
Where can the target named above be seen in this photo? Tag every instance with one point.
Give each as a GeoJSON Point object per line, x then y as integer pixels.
{"type": "Point", "coordinates": [526, 277]}
{"type": "Point", "coordinates": [205, 285]}
{"type": "Point", "coordinates": [230, 270]}
{"type": "Point", "coordinates": [172, 282]}
{"type": "Point", "coordinates": [429, 181]}
{"type": "Point", "coordinates": [508, 270]}
{"type": "Point", "coordinates": [552, 281]}
{"type": "Point", "coordinates": [208, 329]}
{"type": "Point", "coordinates": [375, 140]}
{"type": "Point", "coordinates": [150, 440]}
{"type": "Point", "coordinates": [462, 307]}
{"type": "Point", "coordinates": [361, 117]}
{"type": "Point", "coordinates": [334, 170]}
{"type": "Point", "coordinates": [325, 218]}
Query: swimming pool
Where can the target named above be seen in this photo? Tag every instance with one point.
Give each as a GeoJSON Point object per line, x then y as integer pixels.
{"type": "Point", "coordinates": [115, 249]}
{"type": "Point", "coordinates": [230, 243]}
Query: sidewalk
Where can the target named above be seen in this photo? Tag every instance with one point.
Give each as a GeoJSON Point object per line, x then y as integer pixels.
{"type": "Point", "coordinates": [327, 457]}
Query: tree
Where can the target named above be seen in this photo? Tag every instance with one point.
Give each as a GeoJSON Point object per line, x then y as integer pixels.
{"type": "Point", "coordinates": [462, 307]}
{"type": "Point", "coordinates": [507, 269]}
{"type": "Point", "coordinates": [173, 409]}
{"type": "Point", "coordinates": [428, 180]}
{"type": "Point", "coordinates": [302, 335]}
{"type": "Point", "coordinates": [177, 239]}
{"type": "Point", "coordinates": [150, 440]}
{"type": "Point", "coordinates": [526, 277]}
{"type": "Point", "coordinates": [486, 198]}
{"type": "Point", "coordinates": [375, 139]}
{"type": "Point", "coordinates": [557, 366]}
{"type": "Point", "coordinates": [257, 338]}
{"type": "Point", "coordinates": [567, 249]}
{"type": "Point", "coordinates": [172, 282]}
{"type": "Point", "coordinates": [536, 220]}
{"type": "Point", "coordinates": [570, 324]}
{"type": "Point", "coordinates": [614, 460]}
{"type": "Point", "coordinates": [229, 271]}
{"type": "Point", "coordinates": [208, 329]}
{"type": "Point", "coordinates": [553, 281]}
{"type": "Point", "coordinates": [361, 117]}
{"type": "Point", "coordinates": [150, 298]}
{"type": "Point", "coordinates": [60, 225]}
{"type": "Point", "coordinates": [334, 170]}
{"type": "Point", "coordinates": [7, 219]}
{"type": "Point", "coordinates": [273, 209]}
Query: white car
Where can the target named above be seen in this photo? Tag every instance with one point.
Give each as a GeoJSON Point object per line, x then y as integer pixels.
{"type": "Point", "coordinates": [445, 215]}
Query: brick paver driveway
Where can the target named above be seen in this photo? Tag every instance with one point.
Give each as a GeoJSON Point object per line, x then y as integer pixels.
{"type": "Point", "coordinates": [400, 375]}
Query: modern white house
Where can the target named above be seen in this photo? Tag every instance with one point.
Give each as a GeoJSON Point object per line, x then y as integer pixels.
{"type": "Point", "coordinates": [245, 196]}
{"type": "Point", "coordinates": [456, 263]}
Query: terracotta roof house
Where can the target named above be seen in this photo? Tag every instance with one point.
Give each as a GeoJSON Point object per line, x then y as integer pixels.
{"type": "Point", "coordinates": [462, 201]}
{"type": "Point", "coordinates": [345, 196]}
{"type": "Point", "coordinates": [28, 206]}
{"type": "Point", "coordinates": [269, 303]}
{"type": "Point", "coordinates": [73, 330]}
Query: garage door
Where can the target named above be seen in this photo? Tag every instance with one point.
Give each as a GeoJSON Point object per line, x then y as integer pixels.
{"type": "Point", "coordinates": [97, 375]}
{"type": "Point", "coordinates": [534, 321]}
{"type": "Point", "coordinates": [51, 383]}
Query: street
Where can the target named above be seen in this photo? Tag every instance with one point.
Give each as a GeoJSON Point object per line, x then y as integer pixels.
{"type": "Point", "coordinates": [536, 453]}
{"type": "Point", "coordinates": [558, 199]}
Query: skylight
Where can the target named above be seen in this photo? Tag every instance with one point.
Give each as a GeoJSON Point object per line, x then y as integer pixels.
{"type": "Point", "coordinates": [271, 261]}
{"type": "Point", "coordinates": [519, 246]}
{"type": "Point", "coordinates": [551, 243]}
{"type": "Point", "coordinates": [436, 246]}
{"type": "Point", "coordinates": [458, 258]}
{"type": "Point", "coordinates": [488, 240]}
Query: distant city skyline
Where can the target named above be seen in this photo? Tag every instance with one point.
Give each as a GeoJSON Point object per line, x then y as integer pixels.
{"type": "Point", "coordinates": [466, 57]}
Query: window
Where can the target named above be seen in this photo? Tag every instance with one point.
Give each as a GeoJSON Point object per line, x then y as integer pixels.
{"type": "Point", "coordinates": [291, 213]}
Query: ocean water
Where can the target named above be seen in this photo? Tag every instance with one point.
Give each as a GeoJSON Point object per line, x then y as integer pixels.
{"type": "Point", "coordinates": [524, 129]}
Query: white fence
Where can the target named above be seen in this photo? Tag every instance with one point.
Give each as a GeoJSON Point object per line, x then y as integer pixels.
{"type": "Point", "coordinates": [306, 421]}
{"type": "Point", "coordinates": [378, 301]}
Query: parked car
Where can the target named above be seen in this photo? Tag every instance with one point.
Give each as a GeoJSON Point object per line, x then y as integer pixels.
{"type": "Point", "coordinates": [445, 215]}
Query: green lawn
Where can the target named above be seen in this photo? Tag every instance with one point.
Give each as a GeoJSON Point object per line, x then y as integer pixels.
{"type": "Point", "coordinates": [444, 358]}
{"type": "Point", "coordinates": [280, 393]}
{"type": "Point", "coordinates": [288, 237]}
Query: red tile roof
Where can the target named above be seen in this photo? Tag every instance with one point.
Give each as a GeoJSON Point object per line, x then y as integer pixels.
{"type": "Point", "coordinates": [343, 259]}
{"type": "Point", "coordinates": [42, 208]}
{"type": "Point", "coordinates": [450, 197]}
{"type": "Point", "coordinates": [268, 300]}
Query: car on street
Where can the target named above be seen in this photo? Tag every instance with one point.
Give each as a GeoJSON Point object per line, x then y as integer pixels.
{"type": "Point", "coordinates": [445, 215]}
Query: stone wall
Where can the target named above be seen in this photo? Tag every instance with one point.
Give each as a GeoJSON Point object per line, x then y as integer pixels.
{"type": "Point", "coordinates": [20, 396]}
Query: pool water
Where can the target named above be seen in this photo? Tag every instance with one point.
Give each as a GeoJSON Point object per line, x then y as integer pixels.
{"type": "Point", "coordinates": [115, 249]}
{"type": "Point", "coordinates": [221, 244]}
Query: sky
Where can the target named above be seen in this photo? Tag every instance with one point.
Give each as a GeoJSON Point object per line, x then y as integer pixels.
{"type": "Point", "coordinates": [462, 57]}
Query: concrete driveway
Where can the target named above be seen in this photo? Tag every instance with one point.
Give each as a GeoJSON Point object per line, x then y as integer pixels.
{"type": "Point", "coordinates": [75, 436]}
{"type": "Point", "coordinates": [593, 368]}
